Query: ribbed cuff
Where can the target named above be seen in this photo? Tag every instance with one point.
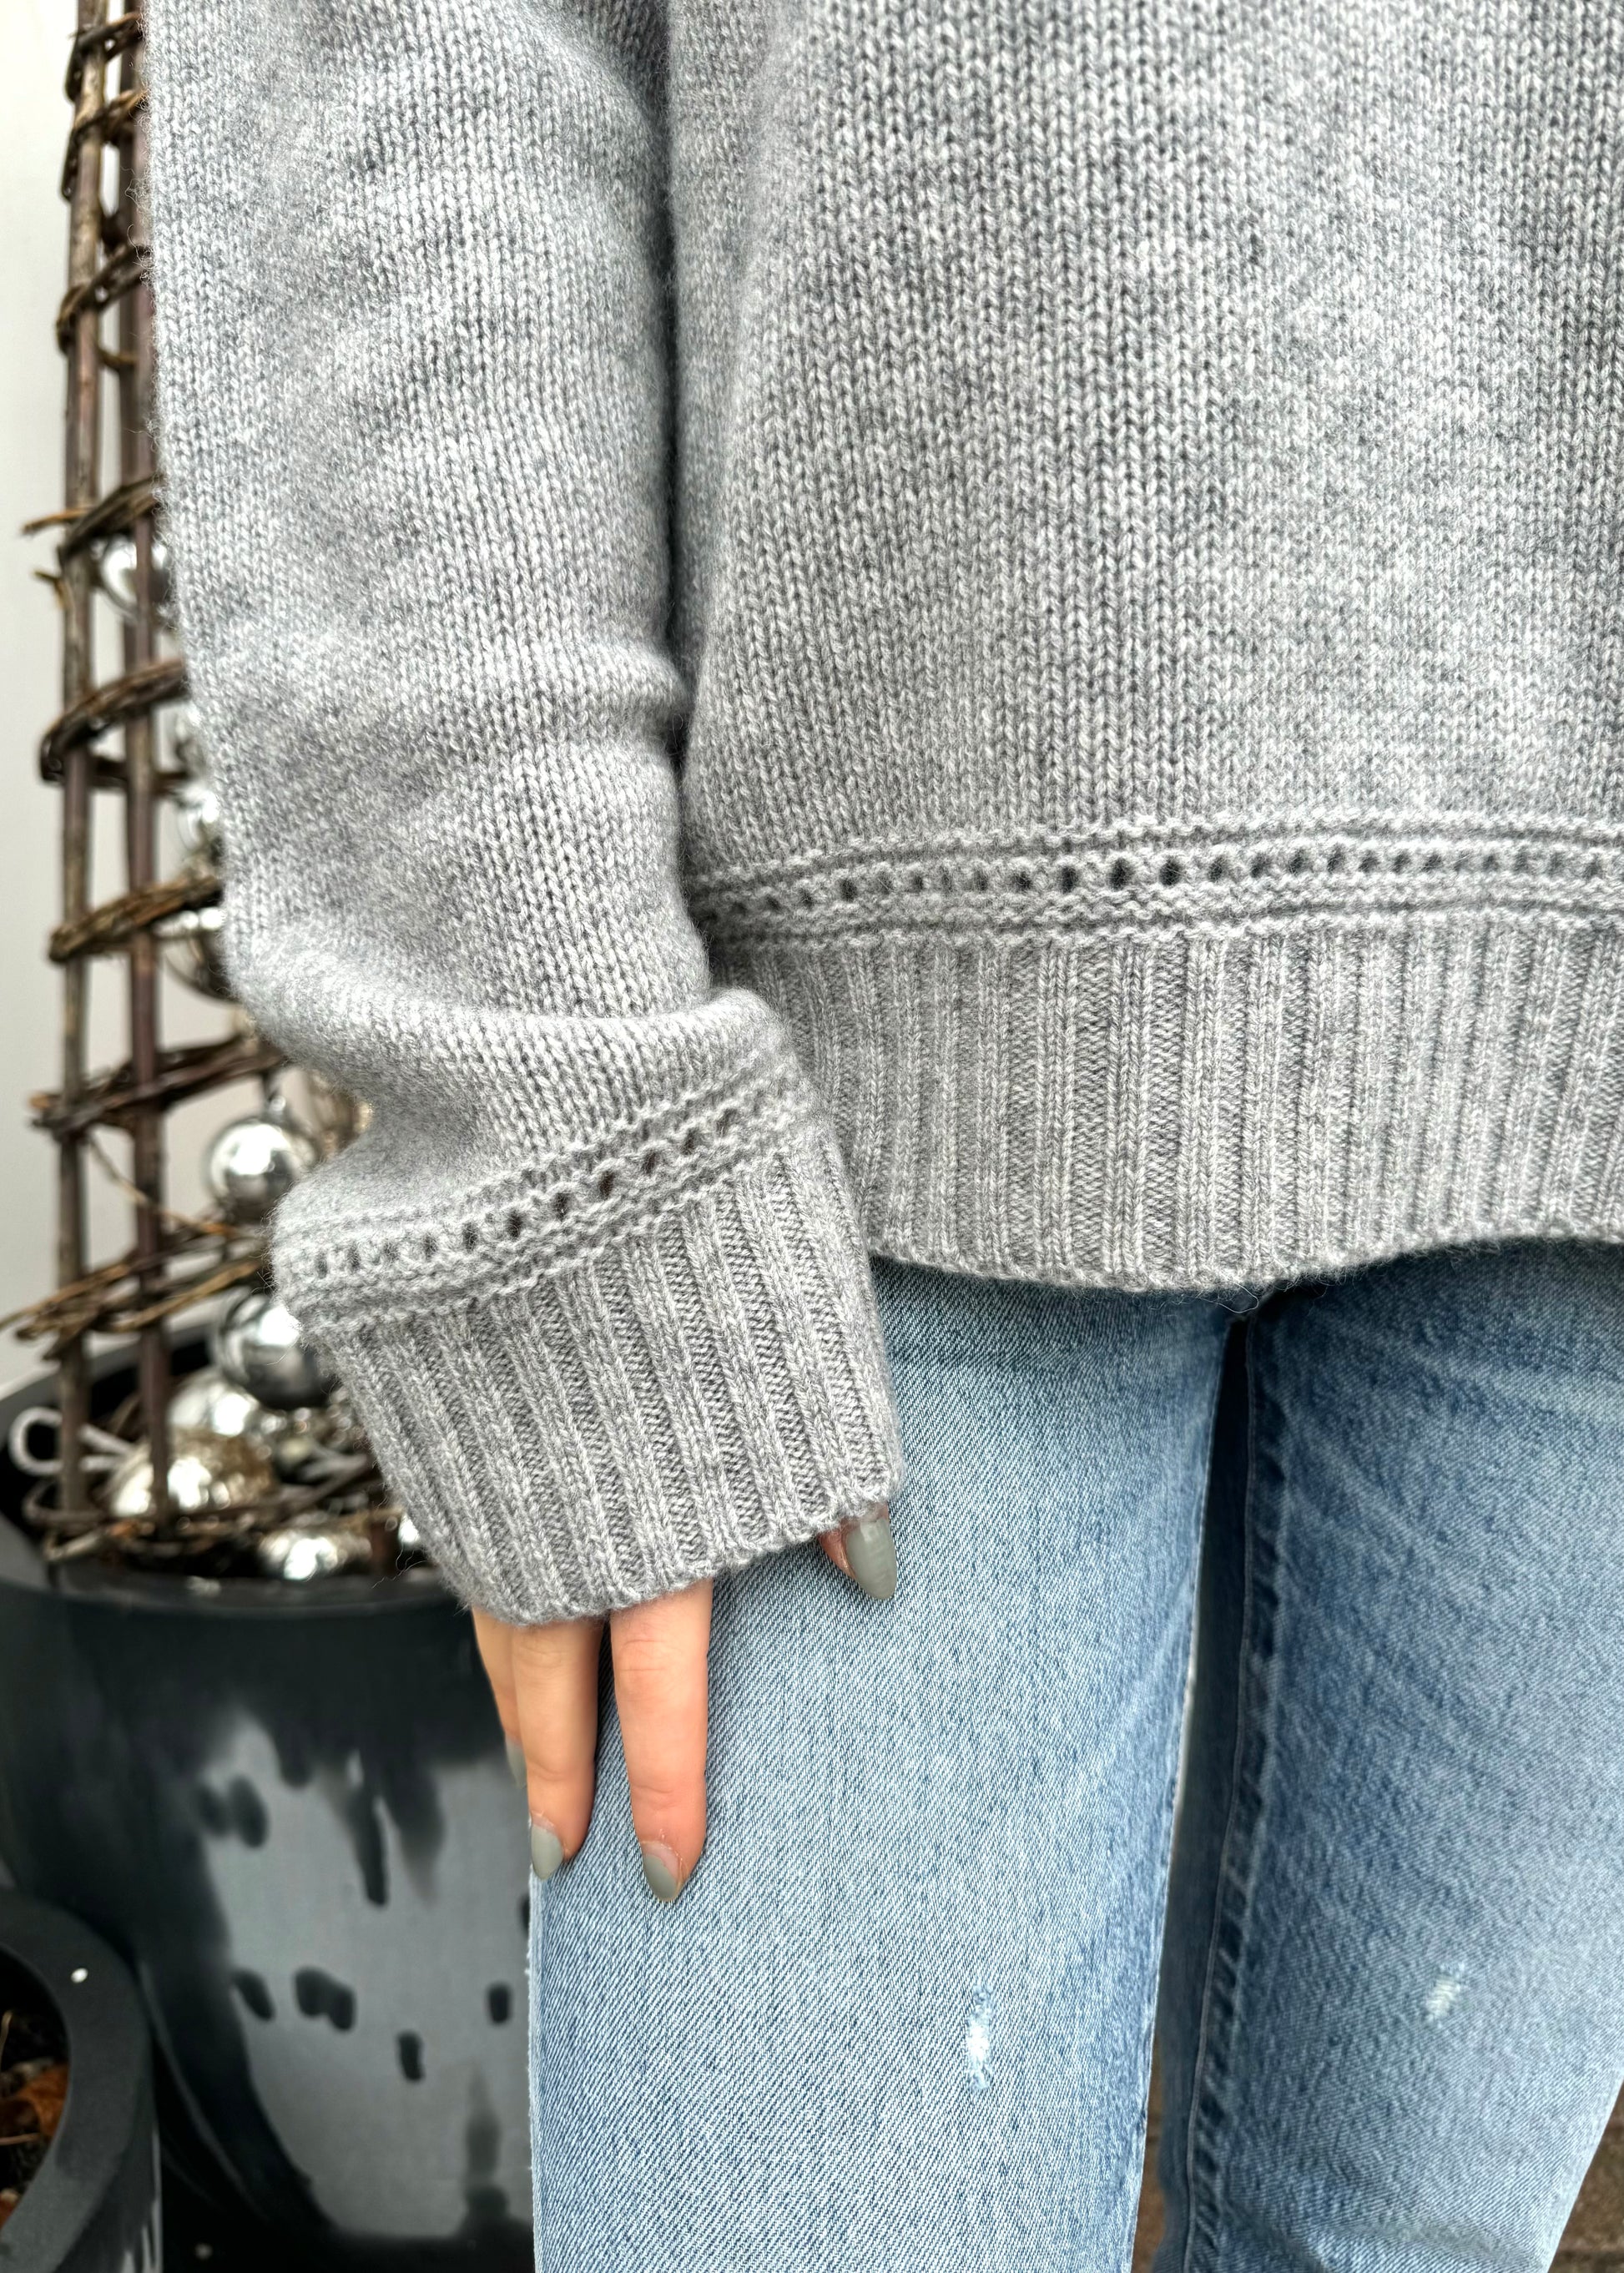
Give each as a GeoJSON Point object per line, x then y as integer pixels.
{"type": "Point", "coordinates": [635, 1398]}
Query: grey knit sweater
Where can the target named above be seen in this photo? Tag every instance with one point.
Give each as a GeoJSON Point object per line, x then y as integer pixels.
{"type": "Point", "coordinates": [989, 632]}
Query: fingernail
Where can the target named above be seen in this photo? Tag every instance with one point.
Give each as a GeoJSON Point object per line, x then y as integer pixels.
{"type": "Point", "coordinates": [546, 1850]}
{"type": "Point", "coordinates": [515, 1762]}
{"type": "Point", "coordinates": [871, 1556]}
{"type": "Point", "coordinates": [660, 1868]}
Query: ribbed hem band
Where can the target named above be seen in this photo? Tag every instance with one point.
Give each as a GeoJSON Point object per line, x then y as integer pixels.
{"type": "Point", "coordinates": [1205, 1106]}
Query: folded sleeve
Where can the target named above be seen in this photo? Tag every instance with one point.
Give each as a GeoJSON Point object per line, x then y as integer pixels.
{"type": "Point", "coordinates": [592, 1273]}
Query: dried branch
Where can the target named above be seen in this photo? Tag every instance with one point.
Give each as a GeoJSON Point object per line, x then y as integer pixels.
{"type": "Point", "coordinates": [133, 696]}
{"type": "Point", "coordinates": [120, 273]}
{"type": "Point", "coordinates": [104, 930]}
{"type": "Point", "coordinates": [110, 1099]}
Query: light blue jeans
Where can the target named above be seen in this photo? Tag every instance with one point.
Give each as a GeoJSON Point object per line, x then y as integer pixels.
{"type": "Point", "coordinates": [900, 2020]}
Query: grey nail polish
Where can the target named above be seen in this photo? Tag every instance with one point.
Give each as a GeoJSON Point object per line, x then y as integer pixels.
{"type": "Point", "coordinates": [515, 1762]}
{"type": "Point", "coordinates": [871, 1556]}
{"type": "Point", "coordinates": [662, 1878]}
{"type": "Point", "coordinates": [546, 1850]}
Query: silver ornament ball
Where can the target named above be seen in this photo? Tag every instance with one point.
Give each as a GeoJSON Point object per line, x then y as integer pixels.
{"type": "Point", "coordinates": [207, 1473]}
{"type": "Point", "coordinates": [196, 818]}
{"type": "Point", "coordinates": [206, 1399]}
{"type": "Point", "coordinates": [186, 748]}
{"type": "Point", "coordinates": [257, 1346]}
{"type": "Point", "coordinates": [253, 1163]}
{"type": "Point", "coordinates": [193, 951]}
{"type": "Point", "coordinates": [298, 1449]}
{"type": "Point", "coordinates": [115, 574]}
{"type": "Point", "coordinates": [299, 1552]}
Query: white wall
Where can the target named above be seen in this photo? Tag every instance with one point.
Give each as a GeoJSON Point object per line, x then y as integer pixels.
{"type": "Point", "coordinates": [34, 123]}
{"type": "Point", "coordinates": [33, 115]}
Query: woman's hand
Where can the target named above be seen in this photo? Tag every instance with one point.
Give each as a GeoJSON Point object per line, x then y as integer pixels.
{"type": "Point", "coordinates": [545, 1683]}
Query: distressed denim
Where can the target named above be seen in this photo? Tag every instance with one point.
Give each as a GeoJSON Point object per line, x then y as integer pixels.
{"type": "Point", "coordinates": [901, 2017]}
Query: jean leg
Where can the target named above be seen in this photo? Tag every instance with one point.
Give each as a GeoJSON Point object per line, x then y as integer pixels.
{"type": "Point", "coordinates": [1408, 2021]}
{"type": "Point", "coordinates": [899, 2018]}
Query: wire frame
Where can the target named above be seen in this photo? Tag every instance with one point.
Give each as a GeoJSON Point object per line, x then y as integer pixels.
{"type": "Point", "coordinates": [109, 740]}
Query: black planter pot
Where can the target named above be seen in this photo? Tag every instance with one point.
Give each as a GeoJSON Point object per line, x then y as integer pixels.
{"type": "Point", "coordinates": [92, 2206]}
{"type": "Point", "coordinates": [289, 1807]}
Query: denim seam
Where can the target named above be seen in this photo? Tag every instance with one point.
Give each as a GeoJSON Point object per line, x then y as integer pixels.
{"type": "Point", "coordinates": [1170, 1805]}
{"type": "Point", "coordinates": [536, 2062]}
{"type": "Point", "coordinates": [1237, 1870]}
{"type": "Point", "coordinates": [1169, 1789]}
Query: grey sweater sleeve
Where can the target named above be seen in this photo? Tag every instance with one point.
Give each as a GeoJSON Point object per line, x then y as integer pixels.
{"type": "Point", "coordinates": [592, 1273]}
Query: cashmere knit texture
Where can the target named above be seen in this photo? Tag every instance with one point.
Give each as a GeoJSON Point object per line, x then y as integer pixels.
{"type": "Point", "coordinates": [992, 633]}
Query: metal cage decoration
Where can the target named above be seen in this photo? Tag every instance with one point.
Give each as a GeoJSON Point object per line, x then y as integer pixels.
{"type": "Point", "coordinates": [254, 1462]}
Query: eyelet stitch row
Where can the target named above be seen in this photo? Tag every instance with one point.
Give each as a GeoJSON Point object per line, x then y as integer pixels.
{"type": "Point", "coordinates": [556, 1202]}
{"type": "Point", "coordinates": [1147, 874]}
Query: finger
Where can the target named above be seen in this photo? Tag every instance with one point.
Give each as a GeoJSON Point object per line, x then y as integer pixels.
{"type": "Point", "coordinates": [495, 1643]}
{"type": "Point", "coordinates": [867, 1551]}
{"type": "Point", "coordinates": [660, 1651]}
{"type": "Point", "coordinates": [833, 1544]}
{"type": "Point", "coordinates": [556, 1687]}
